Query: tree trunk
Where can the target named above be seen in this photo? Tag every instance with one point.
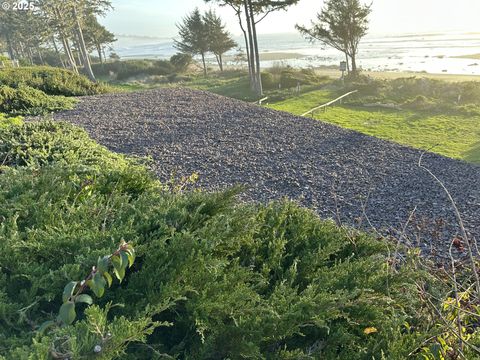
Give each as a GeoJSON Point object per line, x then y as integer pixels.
{"type": "Point", "coordinates": [77, 54]}
{"type": "Point", "coordinates": [204, 65]}
{"type": "Point", "coordinates": [83, 49]}
{"type": "Point", "coordinates": [258, 75]}
{"type": "Point", "coordinates": [57, 52]}
{"type": "Point", "coordinates": [30, 55]}
{"type": "Point", "coordinates": [55, 47]}
{"type": "Point", "coordinates": [66, 45]}
{"type": "Point", "coordinates": [11, 54]}
{"type": "Point", "coordinates": [99, 50]}
{"type": "Point", "coordinates": [348, 63]}
{"type": "Point", "coordinates": [354, 64]}
{"type": "Point", "coordinates": [68, 52]}
{"type": "Point", "coordinates": [39, 51]}
{"type": "Point", "coordinates": [245, 38]}
{"type": "Point", "coordinates": [251, 55]}
{"type": "Point", "coordinates": [220, 62]}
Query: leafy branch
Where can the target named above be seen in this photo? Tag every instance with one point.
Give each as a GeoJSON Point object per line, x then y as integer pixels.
{"type": "Point", "coordinates": [96, 281]}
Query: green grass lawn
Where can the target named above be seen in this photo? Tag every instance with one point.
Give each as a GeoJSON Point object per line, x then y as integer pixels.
{"type": "Point", "coordinates": [229, 84]}
{"type": "Point", "coordinates": [456, 136]}
{"type": "Point", "coordinates": [234, 86]}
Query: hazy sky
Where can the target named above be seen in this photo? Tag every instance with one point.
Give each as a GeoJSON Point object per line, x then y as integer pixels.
{"type": "Point", "coordinates": [158, 17]}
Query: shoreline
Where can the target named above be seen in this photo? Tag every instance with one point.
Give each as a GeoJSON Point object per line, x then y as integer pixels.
{"type": "Point", "coordinates": [471, 57]}
{"type": "Point", "coordinates": [390, 75]}
{"type": "Point", "coordinates": [333, 72]}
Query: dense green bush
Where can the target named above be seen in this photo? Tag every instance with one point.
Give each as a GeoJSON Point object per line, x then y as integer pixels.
{"type": "Point", "coordinates": [289, 77]}
{"type": "Point", "coordinates": [419, 103]}
{"type": "Point", "coordinates": [7, 120]}
{"type": "Point", "coordinates": [181, 61]}
{"type": "Point", "coordinates": [123, 70]}
{"type": "Point", "coordinates": [418, 93]}
{"type": "Point", "coordinates": [230, 280]}
{"type": "Point", "coordinates": [268, 81]}
{"type": "Point", "coordinates": [50, 80]}
{"type": "Point", "coordinates": [27, 100]}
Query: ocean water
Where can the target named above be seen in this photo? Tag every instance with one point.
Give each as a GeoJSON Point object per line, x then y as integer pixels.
{"type": "Point", "coordinates": [431, 53]}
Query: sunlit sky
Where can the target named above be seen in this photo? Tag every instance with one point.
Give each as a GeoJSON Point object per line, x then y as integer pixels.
{"type": "Point", "coordinates": [158, 17]}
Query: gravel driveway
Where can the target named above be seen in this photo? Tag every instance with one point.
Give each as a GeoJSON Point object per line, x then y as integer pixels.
{"type": "Point", "coordinates": [339, 173]}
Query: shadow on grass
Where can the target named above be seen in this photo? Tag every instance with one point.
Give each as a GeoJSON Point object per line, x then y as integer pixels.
{"type": "Point", "coordinates": [237, 89]}
{"type": "Point", "coordinates": [473, 154]}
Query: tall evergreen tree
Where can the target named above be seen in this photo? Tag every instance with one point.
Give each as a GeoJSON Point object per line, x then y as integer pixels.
{"type": "Point", "coordinates": [97, 37]}
{"type": "Point", "coordinates": [81, 10]}
{"type": "Point", "coordinates": [219, 39]}
{"type": "Point", "coordinates": [193, 37]}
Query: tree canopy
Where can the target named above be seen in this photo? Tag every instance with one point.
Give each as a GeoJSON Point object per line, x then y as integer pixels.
{"type": "Point", "coordinates": [193, 36]}
{"type": "Point", "coordinates": [341, 24]}
{"type": "Point", "coordinates": [51, 26]}
{"type": "Point", "coordinates": [200, 34]}
{"type": "Point", "coordinates": [219, 39]}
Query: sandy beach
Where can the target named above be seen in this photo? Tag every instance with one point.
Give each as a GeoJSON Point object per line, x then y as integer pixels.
{"type": "Point", "coordinates": [402, 74]}
{"type": "Point", "coordinates": [472, 56]}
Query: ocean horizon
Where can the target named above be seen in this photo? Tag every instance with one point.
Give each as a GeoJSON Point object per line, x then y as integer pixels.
{"type": "Point", "coordinates": [433, 52]}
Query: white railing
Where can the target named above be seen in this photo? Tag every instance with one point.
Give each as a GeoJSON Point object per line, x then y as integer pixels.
{"type": "Point", "coordinates": [324, 106]}
{"type": "Point", "coordinates": [259, 102]}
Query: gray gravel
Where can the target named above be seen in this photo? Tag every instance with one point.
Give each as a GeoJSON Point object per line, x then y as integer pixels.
{"type": "Point", "coordinates": [335, 171]}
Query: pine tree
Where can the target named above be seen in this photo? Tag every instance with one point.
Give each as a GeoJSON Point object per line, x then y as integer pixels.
{"type": "Point", "coordinates": [97, 37]}
{"type": "Point", "coordinates": [193, 37]}
{"type": "Point", "coordinates": [219, 39]}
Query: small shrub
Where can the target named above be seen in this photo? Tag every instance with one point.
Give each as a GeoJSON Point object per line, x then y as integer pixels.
{"type": "Point", "coordinates": [157, 79]}
{"type": "Point", "coordinates": [52, 81]}
{"type": "Point", "coordinates": [268, 81]}
{"type": "Point", "coordinates": [6, 121]}
{"type": "Point", "coordinates": [420, 102]}
{"type": "Point", "coordinates": [418, 93]}
{"type": "Point", "coordinates": [181, 61]}
{"type": "Point", "coordinates": [41, 144]}
{"type": "Point", "coordinates": [290, 78]}
{"type": "Point", "coordinates": [172, 78]}
{"type": "Point", "coordinates": [124, 70]}
{"type": "Point", "coordinates": [29, 101]}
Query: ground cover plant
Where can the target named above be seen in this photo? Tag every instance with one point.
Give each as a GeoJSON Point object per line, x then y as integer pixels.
{"type": "Point", "coordinates": [25, 100]}
{"type": "Point", "coordinates": [123, 70]}
{"type": "Point", "coordinates": [6, 120]}
{"type": "Point", "coordinates": [41, 90]}
{"type": "Point", "coordinates": [50, 80]}
{"type": "Point", "coordinates": [213, 278]}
